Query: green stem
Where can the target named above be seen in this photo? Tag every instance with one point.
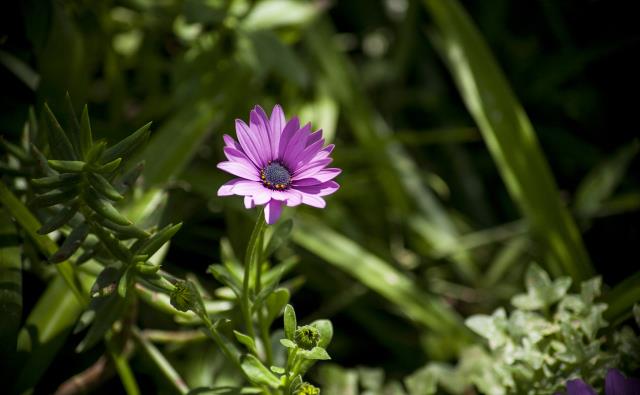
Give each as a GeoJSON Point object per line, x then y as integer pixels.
{"type": "Point", "coordinates": [245, 304]}
{"type": "Point", "coordinates": [622, 298]}
{"type": "Point", "coordinates": [165, 368]}
{"type": "Point", "coordinates": [122, 367]}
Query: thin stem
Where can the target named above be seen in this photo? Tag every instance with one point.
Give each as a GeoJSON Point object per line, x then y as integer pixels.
{"type": "Point", "coordinates": [160, 362]}
{"type": "Point", "coordinates": [122, 367]}
{"type": "Point", "coordinates": [245, 304]}
{"type": "Point", "coordinates": [264, 333]}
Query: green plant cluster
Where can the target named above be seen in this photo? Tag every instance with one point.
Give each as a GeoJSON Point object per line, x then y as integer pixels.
{"type": "Point", "coordinates": [80, 194]}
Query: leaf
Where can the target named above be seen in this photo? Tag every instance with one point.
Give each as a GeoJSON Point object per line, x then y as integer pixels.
{"type": "Point", "coordinates": [86, 137]}
{"type": "Point", "coordinates": [104, 187]}
{"type": "Point", "coordinates": [258, 373]}
{"type": "Point", "coordinates": [71, 244]}
{"type": "Point", "coordinates": [60, 145]}
{"type": "Point", "coordinates": [225, 277]}
{"type": "Point", "coordinates": [125, 232]}
{"type": "Point", "coordinates": [59, 219]}
{"type": "Point", "coordinates": [71, 166]}
{"type": "Point", "coordinates": [105, 310]}
{"type": "Point", "coordinates": [601, 182]}
{"type": "Point", "coordinates": [54, 197]}
{"type": "Point", "coordinates": [376, 274]}
{"type": "Point", "coordinates": [57, 181]}
{"type": "Point", "coordinates": [126, 280]}
{"type": "Point", "coordinates": [288, 343]}
{"type": "Point", "coordinates": [541, 291]}
{"type": "Point", "coordinates": [73, 127]}
{"type": "Point", "coordinates": [279, 235]}
{"type": "Point", "coordinates": [10, 285]}
{"type": "Point", "coordinates": [422, 382]}
{"type": "Point", "coordinates": [105, 209]}
{"type": "Point", "coordinates": [246, 341]}
{"type": "Point", "coordinates": [128, 145]}
{"type": "Point", "coordinates": [316, 353]}
{"type": "Point", "coordinates": [510, 137]}
{"type": "Point", "coordinates": [276, 13]}
{"type": "Point", "coordinates": [153, 244]}
{"type": "Point", "coordinates": [290, 323]}
{"type": "Point", "coordinates": [185, 297]}
{"type": "Point", "coordinates": [325, 328]}
{"type": "Point", "coordinates": [108, 167]}
{"type": "Point", "coordinates": [275, 303]}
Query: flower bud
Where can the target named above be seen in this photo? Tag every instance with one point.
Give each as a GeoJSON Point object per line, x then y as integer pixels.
{"type": "Point", "coordinates": [185, 297]}
{"type": "Point", "coordinates": [306, 337]}
{"type": "Point", "coordinates": [307, 389]}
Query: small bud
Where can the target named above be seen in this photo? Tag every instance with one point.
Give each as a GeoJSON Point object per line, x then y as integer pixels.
{"type": "Point", "coordinates": [307, 389]}
{"type": "Point", "coordinates": [306, 337]}
{"type": "Point", "coordinates": [185, 297]}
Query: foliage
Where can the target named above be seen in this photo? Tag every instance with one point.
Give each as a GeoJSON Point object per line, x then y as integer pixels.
{"type": "Point", "coordinates": [474, 139]}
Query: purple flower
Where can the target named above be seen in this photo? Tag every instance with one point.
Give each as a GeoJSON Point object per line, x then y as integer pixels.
{"type": "Point", "coordinates": [277, 162]}
{"type": "Point", "coordinates": [614, 384]}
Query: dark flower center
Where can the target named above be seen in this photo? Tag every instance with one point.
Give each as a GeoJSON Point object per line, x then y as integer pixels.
{"type": "Point", "coordinates": [275, 176]}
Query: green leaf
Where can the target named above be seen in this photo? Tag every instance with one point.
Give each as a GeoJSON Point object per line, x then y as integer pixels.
{"type": "Point", "coordinates": [54, 197]}
{"type": "Point", "coordinates": [31, 225]}
{"type": "Point", "coordinates": [258, 373]}
{"type": "Point", "coordinates": [108, 167]}
{"type": "Point", "coordinates": [104, 187]}
{"type": "Point", "coordinates": [95, 152]}
{"type": "Point", "coordinates": [115, 248]}
{"type": "Point", "coordinates": [128, 145]}
{"type": "Point", "coordinates": [71, 244]}
{"type": "Point", "coordinates": [126, 232]}
{"type": "Point", "coordinates": [290, 323]}
{"type": "Point", "coordinates": [57, 181]}
{"type": "Point", "coordinates": [73, 127]}
{"type": "Point", "coordinates": [224, 276]}
{"type": "Point", "coordinates": [10, 285]}
{"type": "Point", "coordinates": [277, 13]}
{"type": "Point", "coordinates": [422, 382]}
{"type": "Point", "coordinates": [541, 291]}
{"type": "Point", "coordinates": [86, 137]}
{"type": "Point", "coordinates": [277, 370]}
{"type": "Point", "coordinates": [325, 328]}
{"type": "Point", "coordinates": [105, 311]}
{"type": "Point", "coordinates": [153, 244]}
{"type": "Point", "coordinates": [126, 280]}
{"type": "Point", "coordinates": [288, 343]}
{"type": "Point", "coordinates": [510, 137]}
{"type": "Point", "coordinates": [71, 166]}
{"type": "Point", "coordinates": [316, 353]}
{"type": "Point", "coordinates": [60, 145]}
{"type": "Point", "coordinates": [246, 341]}
{"type": "Point", "coordinates": [275, 303]}
{"type": "Point", "coordinates": [105, 209]}
{"type": "Point", "coordinates": [279, 235]}
{"type": "Point", "coordinates": [601, 182]}
{"type": "Point", "coordinates": [376, 274]}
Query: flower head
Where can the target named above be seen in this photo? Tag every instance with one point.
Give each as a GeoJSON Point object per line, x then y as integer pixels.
{"type": "Point", "coordinates": [307, 389]}
{"type": "Point", "coordinates": [278, 163]}
{"type": "Point", "coordinates": [614, 384]}
{"type": "Point", "coordinates": [306, 337]}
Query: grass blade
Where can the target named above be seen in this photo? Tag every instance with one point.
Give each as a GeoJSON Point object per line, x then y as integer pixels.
{"type": "Point", "coordinates": [510, 137]}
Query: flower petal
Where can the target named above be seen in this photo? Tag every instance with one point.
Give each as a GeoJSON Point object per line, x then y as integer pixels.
{"type": "Point", "coordinates": [277, 123]}
{"type": "Point", "coordinates": [324, 189]}
{"type": "Point", "coordinates": [272, 211]}
{"type": "Point", "coordinates": [321, 176]}
{"type": "Point", "coordinates": [227, 188]}
{"type": "Point", "coordinates": [315, 136]}
{"type": "Point", "coordinates": [616, 384]}
{"type": "Point", "coordinates": [230, 142]}
{"type": "Point", "coordinates": [306, 154]}
{"type": "Point", "coordinates": [295, 146]}
{"type": "Point", "coordinates": [248, 202]}
{"type": "Point", "coordinates": [579, 387]}
{"type": "Point", "coordinates": [249, 143]}
{"type": "Point", "coordinates": [240, 170]}
{"type": "Point", "coordinates": [289, 130]}
{"type": "Point", "coordinates": [313, 200]}
{"type": "Point", "coordinates": [246, 187]}
{"type": "Point", "coordinates": [291, 197]}
{"type": "Point", "coordinates": [262, 197]}
{"type": "Point", "coordinates": [238, 156]}
{"type": "Point", "coordinates": [310, 169]}
{"type": "Point", "coordinates": [262, 134]}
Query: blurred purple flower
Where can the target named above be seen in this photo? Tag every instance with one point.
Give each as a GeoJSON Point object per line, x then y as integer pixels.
{"type": "Point", "coordinates": [277, 162]}
{"type": "Point", "coordinates": [614, 384]}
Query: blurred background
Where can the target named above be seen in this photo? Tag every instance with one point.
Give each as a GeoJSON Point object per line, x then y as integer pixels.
{"type": "Point", "coordinates": [423, 197]}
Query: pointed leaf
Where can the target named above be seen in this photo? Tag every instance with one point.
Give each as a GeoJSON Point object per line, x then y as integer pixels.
{"type": "Point", "coordinates": [246, 341]}
{"type": "Point", "coordinates": [128, 145]}
{"type": "Point", "coordinates": [61, 147]}
{"type": "Point", "coordinates": [71, 244]}
{"type": "Point", "coordinates": [104, 208]}
{"type": "Point", "coordinates": [86, 138]}
{"type": "Point", "coordinates": [258, 373]}
{"type": "Point", "coordinates": [290, 323]}
{"type": "Point", "coordinates": [104, 187]}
